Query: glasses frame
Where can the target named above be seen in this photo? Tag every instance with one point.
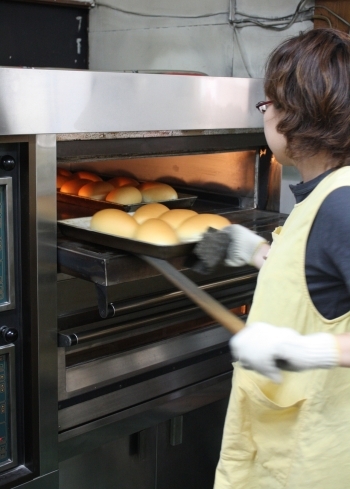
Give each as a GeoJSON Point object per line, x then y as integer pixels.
{"type": "Point", "coordinates": [262, 106]}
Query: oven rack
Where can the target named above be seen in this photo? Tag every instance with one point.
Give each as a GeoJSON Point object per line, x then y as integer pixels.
{"type": "Point", "coordinates": [106, 267]}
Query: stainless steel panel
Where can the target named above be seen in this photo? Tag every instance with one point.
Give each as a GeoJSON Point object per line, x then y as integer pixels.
{"type": "Point", "coordinates": [43, 287]}
{"type": "Point", "coordinates": [121, 399]}
{"type": "Point", "coordinates": [192, 463]}
{"type": "Point", "coordinates": [116, 465]}
{"type": "Point", "coordinates": [141, 416]}
{"type": "Point", "coordinates": [113, 369]}
{"type": "Point", "coordinates": [36, 101]}
{"type": "Point", "coordinates": [44, 482]}
{"type": "Point", "coordinates": [147, 460]}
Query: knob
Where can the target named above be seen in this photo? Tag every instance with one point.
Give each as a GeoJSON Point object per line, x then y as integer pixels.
{"type": "Point", "coordinates": [9, 335]}
{"type": "Point", "coordinates": [7, 162]}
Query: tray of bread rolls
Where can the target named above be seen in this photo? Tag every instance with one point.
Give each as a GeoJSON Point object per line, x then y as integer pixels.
{"type": "Point", "coordinates": [153, 229]}
{"type": "Point", "coordinates": [89, 190]}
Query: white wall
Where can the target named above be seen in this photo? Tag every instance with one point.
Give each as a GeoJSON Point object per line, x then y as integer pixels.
{"type": "Point", "coordinates": [185, 35]}
{"type": "Point", "coordinates": [290, 176]}
{"type": "Point", "coordinates": [193, 35]}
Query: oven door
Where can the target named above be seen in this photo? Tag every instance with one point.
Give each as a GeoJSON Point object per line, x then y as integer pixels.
{"type": "Point", "coordinates": [157, 345]}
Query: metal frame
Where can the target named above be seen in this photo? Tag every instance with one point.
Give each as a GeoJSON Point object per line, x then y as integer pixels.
{"type": "Point", "coordinates": [39, 234]}
{"type": "Point", "coordinates": [43, 278]}
{"type": "Point", "coordinates": [62, 3]}
{"type": "Point", "coordinates": [6, 182]}
{"type": "Point", "coordinates": [9, 351]}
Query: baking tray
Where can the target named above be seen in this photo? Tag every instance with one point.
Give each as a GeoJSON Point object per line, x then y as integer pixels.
{"type": "Point", "coordinates": [79, 228]}
{"type": "Point", "coordinates": [183, 201]}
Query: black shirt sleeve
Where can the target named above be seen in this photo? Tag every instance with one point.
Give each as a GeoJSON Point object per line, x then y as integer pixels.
{"type": "Point", "coordinates": [327, 264]}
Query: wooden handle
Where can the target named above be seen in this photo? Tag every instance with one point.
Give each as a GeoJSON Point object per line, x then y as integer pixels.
{"type": "Point", "coordinates": [205, 301]}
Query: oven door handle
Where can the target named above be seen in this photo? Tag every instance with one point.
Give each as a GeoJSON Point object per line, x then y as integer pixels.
{"type": "Point", "coordinates": [109, 309]}
{"type": "Point", "coordinates": [69, 339]}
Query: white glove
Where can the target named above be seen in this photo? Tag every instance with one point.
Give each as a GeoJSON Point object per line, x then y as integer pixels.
{"type": "Point", "coordinates": [244, 247]}
{"type": "Point", "coordinates": [259, 345]}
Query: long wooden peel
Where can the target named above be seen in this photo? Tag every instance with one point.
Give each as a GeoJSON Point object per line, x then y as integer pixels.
{"type": "Point", "coordinates": [205, 301]}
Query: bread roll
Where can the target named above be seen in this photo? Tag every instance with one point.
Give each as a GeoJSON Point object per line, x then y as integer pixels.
{"type": "Point", "coordinates": [123, 181]}
{"type": "Point", "coordinates": [64, 172]}
{"type": "Point", "coordinates": [157, 232]}
{"type": "Point", "coordinates": [95, 190]}
{"type": "Point", "coordinates": [144, 185]}
{"type": "Point", "coordinates": [73, 186]}
{"type": "Point", "coordinates": [175, 217]}
{"type": "Point", "coordinates": [61, 179]}
{"type": "Point", "coordinates": [115, 222]}
{"type": "Point", "coordinates": [193, 228]}
{"type": "Point", "coordinates": [159, 193]}
{"type": "Point", "coordinates": [124, 196]}
{"type": "Point", "coordinates": [149, 211]}
{"type": "Point", "coordinates": [88, 175]}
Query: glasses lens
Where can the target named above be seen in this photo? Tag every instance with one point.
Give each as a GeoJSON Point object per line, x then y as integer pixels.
{"type": "Point", "coordinates": [262, 106]}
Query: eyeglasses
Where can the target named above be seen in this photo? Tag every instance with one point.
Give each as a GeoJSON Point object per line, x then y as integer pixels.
{"type": "Point", "coordinates": [262, 106]}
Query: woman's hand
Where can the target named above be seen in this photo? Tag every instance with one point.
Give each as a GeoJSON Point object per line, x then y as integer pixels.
{"type": "Point", "coordinates": [261, 346]}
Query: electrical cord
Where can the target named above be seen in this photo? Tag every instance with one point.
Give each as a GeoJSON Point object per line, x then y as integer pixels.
{"type": "Point", "coordinates": [333, 13]}
{"type": "Point", "coordinates": [267, 23]}
{"type": "Point", "coordinates": [241, 52]}
{"type": "Point", "coordinates": [323, 17]}
{"type": "Point", "coordinates": [141, 14]}
{"type": "Point", "coordinates": [273, 23]}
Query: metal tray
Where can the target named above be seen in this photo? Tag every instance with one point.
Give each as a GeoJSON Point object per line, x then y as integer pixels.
{"type": "Point", "coordinates": [79, 228]}
{"type": "Point", "coordinates": [183, 201]}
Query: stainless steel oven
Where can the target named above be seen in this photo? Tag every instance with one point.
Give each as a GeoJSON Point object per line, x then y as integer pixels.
{"type": "Point", "coordinates": [117, 378]}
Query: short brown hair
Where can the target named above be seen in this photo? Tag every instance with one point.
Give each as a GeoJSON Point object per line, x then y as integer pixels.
{"type": "Point", "coordinates": [308, 78]}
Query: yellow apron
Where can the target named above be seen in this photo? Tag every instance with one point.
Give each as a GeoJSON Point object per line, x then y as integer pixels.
{"type": "Point", "coordinates": [292, 435]}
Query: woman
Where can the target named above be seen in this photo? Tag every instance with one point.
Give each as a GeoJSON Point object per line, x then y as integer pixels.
{"type": "Point", "coordinates": [289, 428]}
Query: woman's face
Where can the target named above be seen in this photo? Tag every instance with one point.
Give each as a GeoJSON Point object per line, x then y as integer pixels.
{"type": "Point", "coordinates": [275, 140]}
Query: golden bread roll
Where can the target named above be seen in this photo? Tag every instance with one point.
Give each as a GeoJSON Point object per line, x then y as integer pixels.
{"type": "Point", "coordinates": [156, 231]}
{"type": "Point", "coordinates": [175, 217]}
{"type": "Point", "coordinates": [115, 222]}
{"type": "Point", "coordinates": [88, 175]}
{"type": "Point", "coordinates": [95, 190]}
{"type": "Point", "coordinates": [159, 193]}
{"type": "Point", "coordinates": [61, 179]}
{"type": "Point", "coordinates": [124, 196]}
{"type": "Point", "coordinates": [123, 181]}
{"type": "Point", "coordinates": [149, 211]}
{"type": "Point", "coordinates": [73, 186]}
{"type": "Point", "coordinates": [148, 184]}
{"type": "Point", "coordinates": [64, 172]}
{"type": "Point", "coordinates": [193, 228]}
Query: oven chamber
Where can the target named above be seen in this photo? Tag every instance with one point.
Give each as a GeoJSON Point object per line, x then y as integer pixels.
{"type": "Point", "coordinates": [130, 379]}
